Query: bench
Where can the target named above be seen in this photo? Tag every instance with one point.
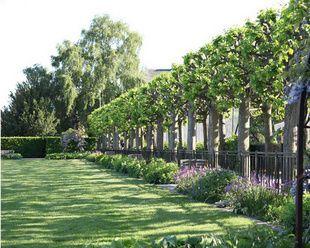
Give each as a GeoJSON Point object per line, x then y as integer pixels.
{"type": "Point", "coordinates": [136, 156]}
{"type": "Point", "coordinates": [193, 162]}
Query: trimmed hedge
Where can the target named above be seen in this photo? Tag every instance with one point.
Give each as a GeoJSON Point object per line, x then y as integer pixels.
{"type": "Point", "coordinates": [38, 147]}
{"type": "Point", "coordinates": [28, 147]}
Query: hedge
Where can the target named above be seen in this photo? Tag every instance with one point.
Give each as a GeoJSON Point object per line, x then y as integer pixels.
{"type": "Point", "coordinates": [38, 147]}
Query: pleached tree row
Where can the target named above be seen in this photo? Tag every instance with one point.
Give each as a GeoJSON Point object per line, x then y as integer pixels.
{"type": "Point", "coordinates": [248, 68]}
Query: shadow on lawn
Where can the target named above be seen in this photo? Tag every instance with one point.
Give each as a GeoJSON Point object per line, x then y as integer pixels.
{"type": "Point", "coordinates": [48, 203]}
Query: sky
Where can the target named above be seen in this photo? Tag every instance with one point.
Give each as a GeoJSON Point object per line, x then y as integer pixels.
{"type": "Point", "coordinates": [31, 29]}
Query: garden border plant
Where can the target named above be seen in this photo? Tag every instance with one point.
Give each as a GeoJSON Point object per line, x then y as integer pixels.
{"type": "Point", "coordinates": [156, 171]}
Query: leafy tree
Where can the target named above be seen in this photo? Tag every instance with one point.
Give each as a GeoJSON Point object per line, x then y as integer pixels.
{"type": "Point", "coordinates": [31, 110]}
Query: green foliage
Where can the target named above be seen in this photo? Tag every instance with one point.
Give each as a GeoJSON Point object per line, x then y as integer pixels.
{"type": "Point", "coordinates": [53, 145]}
{"type": "Point", "coordinates": [285, 215]}
{"type": "Point", "coordinates": [157, 171]}
{"type": "Point", "coordinates": [160, 172]}
{"type": "Point", "coordinates": [260, 237]}
{"type": "Point", "coordinates": [209, 187]}
{"type": "Point", "coordinates": [67, 155]}
{"type": "Point", "coordinates": [38, 147]}
{"type": "Point", "coordinates": [254, 199]}
{"type": "Point", "coordinates": [231, 143]}
{"type": "Point", "coordinates": [32, 106]}
{"type": "Point", "coordinates": [28, 147]}
{"type": "Point", "coordinates": [11, 156]}
{"type": "Point", "coordinates": [200, 146]}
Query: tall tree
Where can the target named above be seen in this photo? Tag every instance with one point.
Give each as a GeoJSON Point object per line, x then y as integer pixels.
{"type": "Point", "coordinates": [32, 106]}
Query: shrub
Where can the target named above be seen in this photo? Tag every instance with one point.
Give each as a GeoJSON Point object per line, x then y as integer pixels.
{"type": "Point", "coordinates": [231, 143]}
{"type": "Point", "coordinates": [204, 184]}
{"type": "Point", "coordinates": [158, 171]}
{"type": "Point", "coordinates": [28, 147]}
{"type": "Point", "coordinates": [93, 157]}
{"type": "Point", "coordinates": [200, 146]}
{"type": "Point", "coordinates": [285, 215]}
{"type": "Point", "coordinates": [11, 156]}
{"type": "Point", "coordinates": [186, 176]}
{"type": "Point", "coordinates": [67, 155]}
{"type": "Point", "coordinates": [255, 236]}
{"type": "Point", "coordinates": [211, 187]}
{"type": "Point", "coordinates": [73, 140]}
{"type": "Point", "coordinates": [252, 199]}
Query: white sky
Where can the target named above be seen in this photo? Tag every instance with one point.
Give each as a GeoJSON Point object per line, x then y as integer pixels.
{"type": "Point", "coordinates": [31, 29]}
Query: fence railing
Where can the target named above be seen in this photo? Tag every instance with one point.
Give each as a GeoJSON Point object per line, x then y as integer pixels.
{"type": "Point", "coordinates": [272, 168]}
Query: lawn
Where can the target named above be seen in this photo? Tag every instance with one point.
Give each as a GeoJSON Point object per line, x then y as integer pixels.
{"type": "Point", "coordinates": [73, 203]}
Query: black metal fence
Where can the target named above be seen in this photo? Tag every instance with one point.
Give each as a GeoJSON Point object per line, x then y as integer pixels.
{"type": "Point", "coordinates": [273, 168]}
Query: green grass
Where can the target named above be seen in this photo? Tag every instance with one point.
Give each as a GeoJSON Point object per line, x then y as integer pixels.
{"type": "Point", "coordinates": [49, 203]}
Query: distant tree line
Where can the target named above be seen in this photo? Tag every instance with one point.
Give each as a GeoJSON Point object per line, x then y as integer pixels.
{"type": "Point", "coordinates": [85, 75]}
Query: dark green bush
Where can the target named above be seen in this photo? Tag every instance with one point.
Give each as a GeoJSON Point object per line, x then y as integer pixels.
{"type": "Point", "coordinates": [53, 145]}
{"type": "Point", "coordinates": [11, 156]}
{"type": "Point", "coordinates": [67, 155]}
{"type": "Point", "coordinates": [38, 147]}
{"type": "Point", "coordinates": [158, 171]}
{"type": "Point", "coordinates": [285, 215]}
{"type": "Point", "coordinates": [204, 184]}
{"type": "Point", "coordinates": [28, 147]}
{"type": "Point", "coordinates": [211, 187]}
{"type": "Point", "coordinates": [231, 143]}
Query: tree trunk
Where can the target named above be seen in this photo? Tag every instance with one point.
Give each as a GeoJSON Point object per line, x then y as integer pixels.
{"type": "Point", "coordinates": [103, 142]}
{"type": "Point", "coordinates": [221, 133]}
{"type": "Point", "coordinates": [244, 126]}
{"type": "Point", "coordinates": [267, 122]}
{"type": "Point", "coordinates": [191, 128]}
{"type": "Point", "coordinates": [131, 139]}
{"type": "Point", "coordinates": [138, 141]}
{"type": "Point", "coordinates": [149, 137]}
{"type": "Point", "coordinates": [172, 135]}
{"type": "Point", "coordinates": [160, 135]}
{"type": "Point", "coordinates": [205, 132]}
{"type": "Point", "coordinates": [109, 140]}
{"type": "Point", "coordinates": [213, 139]}
{"type": "Point", "coordinates": [290, 128]}
{"type": "Point", "coordinates": [125, 141]}
{"type": "Point", "coordinates": [244, 135]}
{"type": "Point", "coordinates": [180, 142]}
{"type": "Point", "coordinates": [115, 140]}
